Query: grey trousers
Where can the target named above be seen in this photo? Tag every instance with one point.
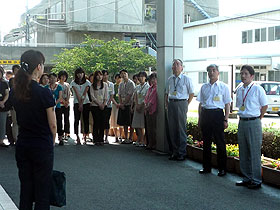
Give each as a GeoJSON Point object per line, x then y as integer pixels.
{"type": "Point", "coordinates": [250, 142]}
{"type": "Point", "coordinates": [177, 119]}
{"type": "Point", "coordinates": [3, 118]}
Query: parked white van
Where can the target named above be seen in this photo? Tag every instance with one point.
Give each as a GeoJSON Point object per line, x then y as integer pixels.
{"type": "Point", "coordinates": [272, 90]}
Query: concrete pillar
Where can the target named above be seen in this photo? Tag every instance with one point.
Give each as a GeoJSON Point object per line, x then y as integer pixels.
{"type": "Point", "coordinates": [170, 46]}
{"type": "Point", "coordinates": [116, 11]}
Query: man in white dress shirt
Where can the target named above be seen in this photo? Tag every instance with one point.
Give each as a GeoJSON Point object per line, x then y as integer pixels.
{"type": "Point", "coordinates": [252, 103]}
{"type": "Point", "coordinates": [179, 94]}
{"type": "Point", "coordinates": [214, 97]}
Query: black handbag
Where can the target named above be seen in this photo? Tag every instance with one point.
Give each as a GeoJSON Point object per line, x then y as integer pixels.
{"type": "Point", "coordinates": [58, 190]}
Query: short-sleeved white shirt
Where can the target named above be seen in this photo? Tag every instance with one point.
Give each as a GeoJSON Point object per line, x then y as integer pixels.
{"type": "Point", "coordinates": [254, 101]}
{"type": "Point", "coordinates": [214, 96]}
{"type": "Point", "coordinates": [182, 85]}
{"type": "Point", "coordinates": [80, 89]}
{"type": "Point", "coordinates": [141, 92]}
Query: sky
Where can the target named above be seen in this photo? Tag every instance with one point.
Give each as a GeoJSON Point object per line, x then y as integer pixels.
{"type": "Point", "coordinates": [11, 10]}
{"type": "Point", "coordinates": [231, 7]}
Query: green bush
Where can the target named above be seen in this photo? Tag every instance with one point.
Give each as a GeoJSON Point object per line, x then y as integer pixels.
{"type": "Point", "coordinates": [270, 144]}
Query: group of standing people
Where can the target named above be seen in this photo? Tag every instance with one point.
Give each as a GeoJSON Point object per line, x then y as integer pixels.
{"type": "Point", "coordinates": [39, 107]}
{"type": "Point", "coordinates": [214, 106]}
{"type": "Point", "coordinates": [8, 122]}
{"type": "Point", "coordinates": [40, 100]}
{"type": "Point", "coordinates": [214, 97]}
{"type": "Point", "coordinates": [123, 105]}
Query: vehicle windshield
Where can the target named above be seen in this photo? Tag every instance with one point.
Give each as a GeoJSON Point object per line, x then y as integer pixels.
{"type": "Point", "coordinates": [271, 88]}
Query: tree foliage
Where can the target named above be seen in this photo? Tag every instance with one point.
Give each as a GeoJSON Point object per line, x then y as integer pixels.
{"type": "Point", "coordinates": [94, 54]}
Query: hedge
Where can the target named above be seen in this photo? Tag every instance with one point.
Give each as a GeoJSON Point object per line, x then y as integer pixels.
{"type": "Point", "coordinates": [270, 144]}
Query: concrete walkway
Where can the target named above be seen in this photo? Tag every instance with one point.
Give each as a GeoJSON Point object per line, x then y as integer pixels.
{"type": "Point", "coordinates": [129, 177]}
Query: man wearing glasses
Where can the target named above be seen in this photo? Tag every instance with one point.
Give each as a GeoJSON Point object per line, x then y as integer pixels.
{"type": "Point", "coordinates": [179, 94]}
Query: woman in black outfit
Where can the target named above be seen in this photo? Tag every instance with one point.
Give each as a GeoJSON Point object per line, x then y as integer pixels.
{"type": "Point", "coordinates": [34, 107]}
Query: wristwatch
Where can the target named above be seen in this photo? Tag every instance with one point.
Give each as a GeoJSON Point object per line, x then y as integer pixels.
{"type": "Point", "coordinates": [225, 120]}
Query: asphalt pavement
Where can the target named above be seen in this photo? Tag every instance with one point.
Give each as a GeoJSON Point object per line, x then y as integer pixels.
{"type": "Point", "coordinates": [127, 177]}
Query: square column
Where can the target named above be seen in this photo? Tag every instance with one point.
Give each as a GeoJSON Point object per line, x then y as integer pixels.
{"type": "Point", "coordinates": [170, 46]}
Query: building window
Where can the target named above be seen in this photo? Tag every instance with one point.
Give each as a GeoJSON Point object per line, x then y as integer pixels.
{"type": "Point", "coordinates": [212, 41]}
{"type": "Point", "coordinates": [257, 35]}
{"type": "Point", "coordinates": [237, 79]}
{"type": "Point", "coordinates": [203, 42]}
{"type": "Point", "coordinates": [223, 77]}
{"type": "Point", "coordinates": [56, 11]}
{"type": "Point", "coordinates": [247, 36]}
{"type": "Point", "coordinates": [244, 37]}
{"type": "Point", "coordinates": [271, 34]}
{"type": "Point", "coordinates": [277, 32]}
{"type": "Point", "coordinates": [202, 77]}
{"type": "Point", "coordinates": [150, 12]}
{"type": "Point", "coordinates": [257, 76]}
{"type": "Point", "coordinates": [263, 34]}
{"type": "Point", "coordinates": [187, 18]}
{"type": "Point", "coordinates": [274, 76]}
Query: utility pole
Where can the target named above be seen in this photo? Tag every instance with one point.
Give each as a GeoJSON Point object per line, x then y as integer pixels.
{"type": "Point", "coordinates": [27, 31]}
{"type": "Point", "coordinates": [116, 11]}
{"type": "Point", "coordinates": [27, 22]}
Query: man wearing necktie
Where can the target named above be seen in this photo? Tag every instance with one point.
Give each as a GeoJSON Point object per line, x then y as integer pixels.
{"type": "Point", "coordinates": [179, 94]}
{"type": "Point", "coordinates": [252, 103]}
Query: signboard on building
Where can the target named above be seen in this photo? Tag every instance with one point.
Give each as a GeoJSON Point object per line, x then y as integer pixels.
{"type": "Point", "coordinates": [9, 62]}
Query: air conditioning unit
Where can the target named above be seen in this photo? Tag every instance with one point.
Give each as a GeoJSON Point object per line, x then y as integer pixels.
{"type": "Point", "coordinates": [276, 66]}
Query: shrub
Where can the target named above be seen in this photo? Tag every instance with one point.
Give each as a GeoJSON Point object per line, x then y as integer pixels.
{"type": "Point", "coordinates": [270, 144]}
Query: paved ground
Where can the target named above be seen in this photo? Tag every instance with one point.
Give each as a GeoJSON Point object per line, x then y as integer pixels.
{"type": "Point", "coordinates": [127, 177]}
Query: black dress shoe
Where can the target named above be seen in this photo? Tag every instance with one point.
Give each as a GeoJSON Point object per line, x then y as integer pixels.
{"type": "Point", "coordinates": [181, 158]}
{"type": "Point", "coordinates": [254, 185]}
{"type": "Point", "coordinates": [242, 183]}
{"type": "Point", "coordinates": [204, 171]}
{"type": "Point", "coordinates": [172, 157]}
{"type": "Point", "coordinates": [222, 173]}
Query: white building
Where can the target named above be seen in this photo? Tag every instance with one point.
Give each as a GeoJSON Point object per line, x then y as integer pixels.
{"type": "Point", "coordinates": [231, 42]}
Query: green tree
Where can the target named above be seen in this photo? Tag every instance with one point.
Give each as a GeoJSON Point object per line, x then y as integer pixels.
{"type": "Point", "coordinates": [94, 54]}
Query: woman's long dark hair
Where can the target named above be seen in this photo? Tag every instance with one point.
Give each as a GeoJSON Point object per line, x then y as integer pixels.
{"type": "Point", "coordinates": [2, 71]}
{"type": "Point", "coordinates": [95, 80]}
{"type": "Point", "coordinates": [29, 61]}
{"type": "Point", "coordinates": [76, 79]}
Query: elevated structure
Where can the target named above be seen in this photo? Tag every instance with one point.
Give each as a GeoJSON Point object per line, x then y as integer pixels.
{"type": "Point", "coordinates": [66, 22]}
{"type": "Point", "coordinates": [195, 10]}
